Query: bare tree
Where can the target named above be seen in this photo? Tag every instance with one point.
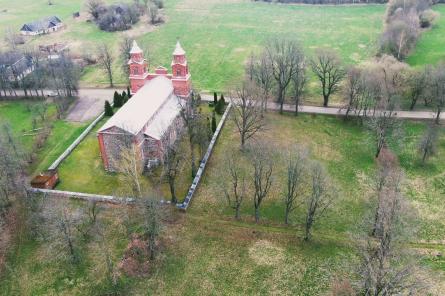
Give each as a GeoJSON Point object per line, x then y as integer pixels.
{"type": "Point", "coordinates": [385, 268]}
{"type": "Point", "coordinates": [299, 80]}
{"type": "Point", "coordinates": [296, 161]}
{"type": "Point", "coordinates": [418, 82]}
{"type": "Point", "coordinates": [438, 91]}
{"type": "Point", "coordinates": [197, 128]}
{"type": "Point", "coordinates": [246, 113]}
{"type": "Point", "coordinates": [11, 167]}
{"type": "Point", "coordinates": [125, 48]}
{"type": "Point", "coordinates": [260, 71]}
{"type": "Point", "coordinates": [382, 127]}
{"type": "Point", "coordinates": [428, 143]}
{"type": "Point", "coordinates": [105, 59]}
{"type": "Point", "coordinates": [327, 67]}
{"type": "Point", "coordinates": [353, 89]}
{"type": "Point", "coordinates": [130, 166]}
{"type": "Point", "coordinates": [237, 191]}
{"type": "Point", "coordinates": [173, 156]}
{"type": "Point", "coordinates": [93, 7]}
{"type": "Point", "coordinates": [152, 223]}
{"type": "Point", "coordinates": [285, 57]}
{"type": "Point", "coordinates": [61, 230]}
{"type": "Point", "coordinates": [262, 162]}
{"type": "Point", "coordinates": [322, 195]}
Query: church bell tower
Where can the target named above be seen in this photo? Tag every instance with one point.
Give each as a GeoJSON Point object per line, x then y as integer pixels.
{"type": "Point", "coordinates": [181, 77]}
{"type": "Point", "coordinates": [138, 68]}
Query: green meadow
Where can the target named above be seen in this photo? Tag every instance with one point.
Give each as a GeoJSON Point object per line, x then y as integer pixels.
{"type": "Point", "coordinates": [217, 35]}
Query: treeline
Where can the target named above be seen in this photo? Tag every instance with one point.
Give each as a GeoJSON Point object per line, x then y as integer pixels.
{"type": "Point", "coordinates": [29, 72]}
{"type": "Point", "coordinates": [122, 16]}
{"type": "Point", "coordinates": [404, 22]}
{"type": "Point", "coordinates": [323, 1]}
{"type": "Point", "coordinates": [334, 2]}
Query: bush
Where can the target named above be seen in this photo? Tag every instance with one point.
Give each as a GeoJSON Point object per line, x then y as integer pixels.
{"type": "Point", "coordinates": [117, 17]}
{"type": "Point", "coordinates": [108, 110]}
{"type": "Point", "coordinates": [159, 3]}
{"type": "Point", "coordinates": [427, 18]}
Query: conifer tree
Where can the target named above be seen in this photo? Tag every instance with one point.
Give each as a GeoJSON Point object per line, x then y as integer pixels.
{"type": "Point", "coordinates": [215, 99]}
{"type": "Point", "coordinates": [108, 109]}
{"type": "Point", "coordinates": [129, 92]}
{"type": "Point", "coordinates": [213, 122]}
{"type": "Point", "coordinates": [117, 100]}
{"type": "Point", "coordinates": [219, 108]}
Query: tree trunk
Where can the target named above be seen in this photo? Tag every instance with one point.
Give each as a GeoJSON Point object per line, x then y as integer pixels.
{"type": "Point", "coordinates": [192, 158]}
{"type": "Point", "coordinates": [171, 182]}
{"type": "Point", "coordinates": [257, 214]}
{"type": "Point", "coordinates": [237, 212]}
{"type": "Point", "coordinates": [286, 216]}
{"type": "Point", "coordinates": [325, 100]}
{"type": "Point", "coordinates": [438, 116]}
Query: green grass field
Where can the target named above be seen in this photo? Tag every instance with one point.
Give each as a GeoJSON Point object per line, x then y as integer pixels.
{"type": "Point", "coordinates": [63, 133]}
{"type": "Point", "coordinates": [217, 35]}
{"type": "Point", "coordinates": [205, 250]}
{"type": "Point", "coordinates": [430, 48]}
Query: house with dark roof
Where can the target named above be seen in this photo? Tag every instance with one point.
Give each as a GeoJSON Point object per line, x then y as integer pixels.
{"type": "Point", "coordinates": [15, 66]}
{"type": "Point", "coordinates": [43, 26]}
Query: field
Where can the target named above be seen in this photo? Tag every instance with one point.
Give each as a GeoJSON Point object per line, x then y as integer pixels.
{"type": "Point", "coordinates": [430, 47]}
{"type": "Point", "coordinates": [218, 49]}
{"type": "Point", "coordinates": [205, 250]}
{"type": "Point", "coordinates": [19, 117]}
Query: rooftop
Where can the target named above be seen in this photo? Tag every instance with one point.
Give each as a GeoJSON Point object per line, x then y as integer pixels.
{"type": "Point", "coordinates": [178, 49]}
{"type": "Point", "coordinates": [134, 115]}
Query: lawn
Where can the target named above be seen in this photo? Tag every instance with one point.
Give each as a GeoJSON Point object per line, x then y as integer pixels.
{"type": "Point", "coordinates": [430, 48]}
{"type": "Point", "coordinates": [63, 133]}
{"type": "Point", "coordinates": [83, 170]}
{"type": "Point", "coordinates": [346, 151]}
{"type": "Point", "coordinates": [206, 252]}
{"type": "Point", "coordinates": [218, 35]}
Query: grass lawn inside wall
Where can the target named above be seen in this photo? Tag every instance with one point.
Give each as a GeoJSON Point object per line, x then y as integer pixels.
{"type": "Point", "coordinates": [62, 134]}
{"type": "Point", "coordinates": [83, 170]}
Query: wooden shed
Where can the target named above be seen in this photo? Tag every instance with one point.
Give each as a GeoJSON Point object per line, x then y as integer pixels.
{"type": "Point", "coordinates": [46, 180]}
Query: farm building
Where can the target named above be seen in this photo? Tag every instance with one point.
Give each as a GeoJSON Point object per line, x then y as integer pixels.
{"type": "Point", "coordinates": [151, 119]}
{"type": "Point", "coordinates": [15, 66]}
{"type": "Point", "coordinates": [43, 26]}
{"type": "Point", "coordinates": [45, 180]}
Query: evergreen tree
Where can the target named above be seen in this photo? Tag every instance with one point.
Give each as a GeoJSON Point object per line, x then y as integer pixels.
{"type": "Point", "coordinates": [213, 122]}
{"type": "Point", "coordinates": [215, 99]}
{"type": "Point", "coordinates": [219, 108]}
{"type": "Point", "coordinates": [222, 100]}
{"type": "Point", "coordinates": [124, 98]}
{"type": "Point", "coordinates": [129, 92]}
{"type": "Point", "coordinates": [117, 100]}
{"type": "Point", "coordinates": [108, 109]}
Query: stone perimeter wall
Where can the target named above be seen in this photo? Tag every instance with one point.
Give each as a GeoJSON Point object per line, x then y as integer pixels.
{"type": "Point", "coordinates": [76, 142]}
{"type": "Point", "coordinates": [185, 204]}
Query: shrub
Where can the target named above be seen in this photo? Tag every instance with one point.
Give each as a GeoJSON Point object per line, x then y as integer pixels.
{"type": "Point", "coordinates": [159, 3]}
{"type": "Point", "coordinates": [108, 110]}
{"type": "Point", "coordinates": [427, 18]}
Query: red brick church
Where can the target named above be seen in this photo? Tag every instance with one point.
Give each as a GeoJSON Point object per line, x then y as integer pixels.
{"type": "Point", "coordinates": [151, 118]}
